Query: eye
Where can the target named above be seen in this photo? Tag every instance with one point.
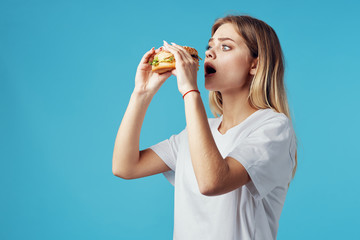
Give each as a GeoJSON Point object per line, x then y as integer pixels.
{"type": "Point", "coordinates": [225, 47]}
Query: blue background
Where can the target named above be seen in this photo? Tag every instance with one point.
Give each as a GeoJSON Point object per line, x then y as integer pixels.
{"type": "Point", "coordinates": [66, 75]}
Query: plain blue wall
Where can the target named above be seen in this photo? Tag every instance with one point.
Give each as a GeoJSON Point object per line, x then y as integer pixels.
{"type": "Point", "coordinates": [66, 74]}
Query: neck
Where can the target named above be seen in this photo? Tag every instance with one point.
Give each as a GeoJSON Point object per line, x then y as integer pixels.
{"type": "Point", "coordinates": [236, 108]}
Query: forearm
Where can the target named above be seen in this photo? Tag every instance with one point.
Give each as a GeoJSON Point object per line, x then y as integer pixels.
{"type": "Point", "coordinates": [126, 149]}
{"type": "Point", "coordinates": [207, 161]}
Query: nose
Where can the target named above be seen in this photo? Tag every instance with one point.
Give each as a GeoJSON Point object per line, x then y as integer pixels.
{"type": "Point", "coordinates": [209, 53]}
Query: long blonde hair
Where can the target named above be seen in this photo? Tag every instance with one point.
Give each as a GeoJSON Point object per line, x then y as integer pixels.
{"type": "Point", "coordinates": [267, 89]}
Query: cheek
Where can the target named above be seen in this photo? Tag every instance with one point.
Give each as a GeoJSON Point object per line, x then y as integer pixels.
{"type": "Point", "coordinates": [235, 71]}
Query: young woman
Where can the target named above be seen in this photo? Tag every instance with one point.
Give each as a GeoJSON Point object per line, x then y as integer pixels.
{"type": "Point", "coordinates": [231, 173]}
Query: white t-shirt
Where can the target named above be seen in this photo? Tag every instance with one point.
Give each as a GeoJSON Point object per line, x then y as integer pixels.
{"type": "Point", "coordinates": [264, 144]}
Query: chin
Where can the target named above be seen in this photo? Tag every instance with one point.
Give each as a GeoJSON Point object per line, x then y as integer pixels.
{"type": "Point", "coordinates": [210, 87]}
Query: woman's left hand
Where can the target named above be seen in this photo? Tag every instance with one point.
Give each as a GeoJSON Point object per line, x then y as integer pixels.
{"type": "Point", "coordinates": [186, 68]}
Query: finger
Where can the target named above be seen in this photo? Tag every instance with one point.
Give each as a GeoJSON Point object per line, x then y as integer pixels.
{"type": "Point", "coordinates": [183, 52]}
{"type": "Point", "coordinates": [173, 50]}
{"type": "Point", "coordinates": [187, 55]}
{"type": "Point", "coordinates": [164, 76]}
{"type": "Point", "coordinates": [153, 55]}
{"type": "Point", "coordinates": [147, 55]}
{"type": "Point", "coordinates": [159, 49]}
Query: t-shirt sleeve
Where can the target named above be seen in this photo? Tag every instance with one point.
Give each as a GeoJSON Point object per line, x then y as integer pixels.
{"type": "Point", "coordinates": [167, 150]}
{"type": "Point", "coordinates": [267, 155]}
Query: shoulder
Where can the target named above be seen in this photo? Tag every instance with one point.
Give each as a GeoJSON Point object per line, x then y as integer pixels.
{"type": "Point", "coordinates": [179, 136]}
{"type": "Point", "coordinates": [271, 122]}
{"type": "Point", "coordinates": [269, 114]}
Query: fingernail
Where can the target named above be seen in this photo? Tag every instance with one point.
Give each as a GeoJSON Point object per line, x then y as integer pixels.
{"type": "Point", "coordinates": [173, 43]}
{"type": "Point", "coordinates": [165, 42]}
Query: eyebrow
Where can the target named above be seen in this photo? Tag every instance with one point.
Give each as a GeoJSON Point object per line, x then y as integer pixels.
{"type": "Point", "coordinates": [221, 39]}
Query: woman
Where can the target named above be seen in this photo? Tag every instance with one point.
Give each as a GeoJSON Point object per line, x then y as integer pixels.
{"type": "Point", "coordinates": [231, 173]}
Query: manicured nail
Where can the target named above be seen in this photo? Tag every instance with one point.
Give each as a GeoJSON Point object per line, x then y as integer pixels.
{"type": "Point", "coordinates": [173, 43]}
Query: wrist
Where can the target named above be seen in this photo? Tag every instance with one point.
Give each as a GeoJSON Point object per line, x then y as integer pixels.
{"type": "Point", "coordinates": [189, 88]}
{"type": "Point", "coordinates": [142, 94]}
{"type": "Point", "coordinates": [196, 91]}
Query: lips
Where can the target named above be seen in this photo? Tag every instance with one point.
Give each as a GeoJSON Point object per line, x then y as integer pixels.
{"type": "Point", "coordinates": [209, 69]}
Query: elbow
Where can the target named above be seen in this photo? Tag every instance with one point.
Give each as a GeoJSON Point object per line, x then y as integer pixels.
{"type": "Point", "coordinates": [208, 193]}
{"type": "Point", "coordinates": [205, 193]}
{"type": "Point", "coordinates": [116, 170]}
{"type": "Point", "coordinates": [117, 173]}
{"type": "Point", "coordinates": [206, 185]}
{"type": "Point", "coordinates": [207, 190]}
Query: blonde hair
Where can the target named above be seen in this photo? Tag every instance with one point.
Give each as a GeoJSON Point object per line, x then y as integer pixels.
{"type": "Point", "coordinates": [267, 89]}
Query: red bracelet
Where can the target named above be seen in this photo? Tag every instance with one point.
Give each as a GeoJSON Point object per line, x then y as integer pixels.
{"type": "Point", "coordinates": [191, 91]}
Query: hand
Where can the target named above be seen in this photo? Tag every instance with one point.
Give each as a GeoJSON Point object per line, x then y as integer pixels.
{"type": "Point", "coordinates": [147, 81]}
{"type": "Point", "coordinates": [186, 68]}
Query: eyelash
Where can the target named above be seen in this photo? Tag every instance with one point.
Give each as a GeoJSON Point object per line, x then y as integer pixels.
{"type": "Point", "coordinates": [208, 47]}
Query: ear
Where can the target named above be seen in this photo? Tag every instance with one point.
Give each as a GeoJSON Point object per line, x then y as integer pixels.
{"type": "Point", "coordinates": [254, 66]}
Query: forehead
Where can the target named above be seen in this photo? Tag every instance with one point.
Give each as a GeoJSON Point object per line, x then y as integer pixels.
{"type": "Point", "coordinates": [228, 30]}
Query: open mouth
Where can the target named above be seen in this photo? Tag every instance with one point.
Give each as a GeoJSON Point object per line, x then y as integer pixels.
{"type": "Point", "coordinates": [209, 70]}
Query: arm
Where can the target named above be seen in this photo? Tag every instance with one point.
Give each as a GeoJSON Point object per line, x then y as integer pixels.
{"type": "Point", "coordinates": [127, 161]}
{"type": "Point", "coordinates": [214, 174]}
{"type": "Point", "coordinates": [126, 149]}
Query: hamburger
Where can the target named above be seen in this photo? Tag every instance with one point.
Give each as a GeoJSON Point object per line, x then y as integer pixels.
{"type": "Point", "coordinates": [164, 61]}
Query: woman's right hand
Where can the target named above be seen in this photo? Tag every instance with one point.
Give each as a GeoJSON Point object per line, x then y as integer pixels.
{"type": "Point", "coordinates": [147, 81]}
